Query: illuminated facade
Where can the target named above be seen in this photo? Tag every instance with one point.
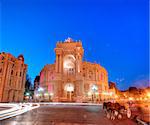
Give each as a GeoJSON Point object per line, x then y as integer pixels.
{"type": "Point", "coordinates": [12, 78]}
{"type": "Point", "coordinates": [72, 79]}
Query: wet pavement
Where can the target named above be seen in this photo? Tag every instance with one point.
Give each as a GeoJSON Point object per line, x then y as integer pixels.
{"type": "Point", "coordinates": [65, 115]}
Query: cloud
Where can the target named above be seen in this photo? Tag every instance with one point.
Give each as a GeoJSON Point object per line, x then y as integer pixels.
{"type": "Point", "coordinates": [141, 82]}
{"type": "Point", "coordinates": [118, 80]}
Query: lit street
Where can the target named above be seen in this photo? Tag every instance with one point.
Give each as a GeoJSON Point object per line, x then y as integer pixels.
{"type": "Point", "coordinates": [65, 115]}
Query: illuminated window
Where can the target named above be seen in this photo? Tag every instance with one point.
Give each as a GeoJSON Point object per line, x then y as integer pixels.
{"type": "Point", "coordinates": [69, 87]}
{"type": "Point", "coordinates": [69, 65]}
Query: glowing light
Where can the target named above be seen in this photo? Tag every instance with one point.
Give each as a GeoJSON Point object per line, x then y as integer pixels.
{"type": "Point", "coordinates": [69, 61]}
{"type": "Point", "coordinates": [27, 97]}
{"type": "Point", "coordinates": [130, 98]}
{"type": "Point", "coordinates": [116, 96]}
{"type": "Point", "coordinates": [148, 94]}
{"type": "Point", "coordinates": [69, 87]}
{"type": "Point", "coordinates": [89, 93]}
{"type": "Point", "coordinates": [45, 94]}
{"type": "Point", "coordinates": [51, 94]}
{"type": "Point", "coordinates": [40, 89]}
{"type": "Point", "coordinates": [110, 93]}
{"type": "Point", "coordinates": [27, 94]}
{"type": "Point", "coordinates": [94, 88]}
{"type": "Point", "coordinates": [16, 109]}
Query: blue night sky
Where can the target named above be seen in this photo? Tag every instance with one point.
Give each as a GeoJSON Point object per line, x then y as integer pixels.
{"type": "Point", "coordinates": [114, 33]}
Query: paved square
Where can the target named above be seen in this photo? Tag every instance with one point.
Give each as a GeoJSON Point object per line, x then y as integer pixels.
{"type": "Point", "coordinates": [65, 115]}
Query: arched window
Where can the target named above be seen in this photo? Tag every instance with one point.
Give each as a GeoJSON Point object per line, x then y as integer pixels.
{"type": "Point", "coordinates": [69, 64]}
{"type": "Point", "coordinates": [69, 87]}
{"type": "Point", "coordinates": [11, 72]}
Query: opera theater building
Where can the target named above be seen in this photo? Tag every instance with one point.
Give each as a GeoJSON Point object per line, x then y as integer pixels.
{"type": "Point", "coordinates": [72, 79]}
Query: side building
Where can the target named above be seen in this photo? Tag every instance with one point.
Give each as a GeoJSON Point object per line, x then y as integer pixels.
{"type": "Point", "coordinates": [12, 77]}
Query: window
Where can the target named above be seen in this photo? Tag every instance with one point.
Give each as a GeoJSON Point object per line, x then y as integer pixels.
{"type": "Point", "coordinates": [90, 74]}
{"type": "Point", "coordinates": [70, 71]}
{"type": "Point", "coordinates": [105, 88]}
{"type": "Point", "coordinates": [83, 74]}
{"type": "Point", "coordinates": [0, 70]}
{"type": "Point", "coordinates": [102, 76]}
{"type": "Point", "coordinates": [10, 82]}
{"type": "Point", "coordinates": [20, 74]}
{"type": "Point", "coordinates": [11, 72]}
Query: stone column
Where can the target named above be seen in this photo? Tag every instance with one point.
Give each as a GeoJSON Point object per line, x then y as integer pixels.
{"type": "Point", "coordinates": [56, 92]}
{"type": "Point", "coordinates": [5, 96]}
{"type": "Point", "coordinates": [60, 63]}
{"type": "Point", "coordinates": [56, 63]}
{"type": "Point", "coordinates": [95, 74]}
{"type": "Point", "coordinates": [78, 63]}
{"type": "Point", "coordinates": [11, 95]}
{"type": "Point", "coordinates": [79, 91]}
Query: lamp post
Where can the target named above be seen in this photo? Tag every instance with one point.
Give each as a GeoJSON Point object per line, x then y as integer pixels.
{"type": "Point", "coordinates": [50, 96]}
{"type": "Point", "coordinates": [40, 90]}
{"type": "Point", "coordinates": [94, 90]}
{"type": "Point", "coordinates": [28, 96]}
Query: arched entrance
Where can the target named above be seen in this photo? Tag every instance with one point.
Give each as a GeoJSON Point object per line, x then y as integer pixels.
{"type": "Point", "coordinates": [69, 90]}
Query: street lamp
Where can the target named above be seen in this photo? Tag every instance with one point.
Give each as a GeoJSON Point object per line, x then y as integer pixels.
{"type": "Point", "coordinates": [51, 94]}
{"type": "Point", "coordinates": [89, 93]}
{"type": "Point", "coordinates": [94, 89]}
{"type": "Point", "coordinates": [40, 89]}
{"type": "Point", "coordinates": [27, 94]}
